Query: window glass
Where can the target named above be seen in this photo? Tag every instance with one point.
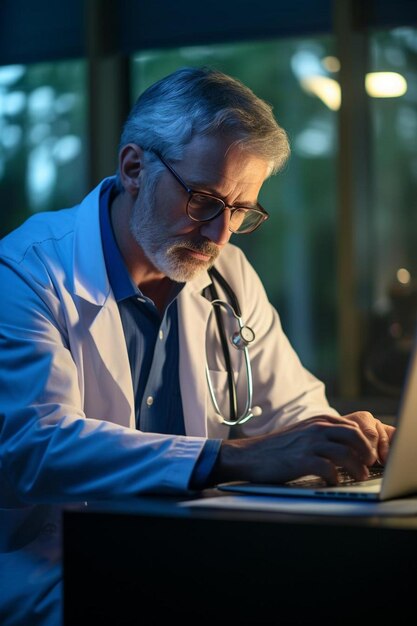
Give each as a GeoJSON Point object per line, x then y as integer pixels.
{"type": "Point", "coordinates": [294, 254]}
{"type": "Point", "coordinates": [392, 251]}
{"type": "Point", "coordinates": [42, 139]}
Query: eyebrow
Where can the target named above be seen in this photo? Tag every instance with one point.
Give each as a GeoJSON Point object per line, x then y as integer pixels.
{"type": "Point", "coordinates": [204, 188]}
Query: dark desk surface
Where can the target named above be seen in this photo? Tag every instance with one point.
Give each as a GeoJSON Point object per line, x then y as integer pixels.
{"type": "Point", "coordinates": [169, 507]}
{"type": "Point", "coordinates": [127, 559]}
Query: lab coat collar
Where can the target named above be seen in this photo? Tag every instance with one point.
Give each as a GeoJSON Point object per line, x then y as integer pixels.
{"type": "Point", "coordinates": [90, 280]}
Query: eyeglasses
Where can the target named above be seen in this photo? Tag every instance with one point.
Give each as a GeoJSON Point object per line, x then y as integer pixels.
{"type": "Point", "coordinates": [203, 207]}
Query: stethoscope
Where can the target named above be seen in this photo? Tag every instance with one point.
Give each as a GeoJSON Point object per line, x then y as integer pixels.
{"type": "Point", "coordinates": [240, 340]}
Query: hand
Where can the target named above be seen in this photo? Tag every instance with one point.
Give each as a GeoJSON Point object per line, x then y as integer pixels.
{"type": "Point", "coordinates": [316, 446]}
{"type": "Point", "coordinates": [378, 434]}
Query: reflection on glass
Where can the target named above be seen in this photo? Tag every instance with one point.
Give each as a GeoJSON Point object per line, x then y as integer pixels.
{"type": "Point", "coordinates": [385, 84]}
{"type": "Point", "coordinates": [299, 241]}
{"type": "Point", "coordinates": [391, 250]}
{"type": "Point", "coordinates": [42, 139]}
{"type": "Point", "coordinates": [394, 134]}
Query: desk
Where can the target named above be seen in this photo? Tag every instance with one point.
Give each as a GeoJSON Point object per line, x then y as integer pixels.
{"type": "Point", "coordinates": [126, 560]}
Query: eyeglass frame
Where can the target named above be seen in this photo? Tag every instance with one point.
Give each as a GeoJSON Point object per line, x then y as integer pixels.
{"type": "Point", "coordinates": [259, 208]}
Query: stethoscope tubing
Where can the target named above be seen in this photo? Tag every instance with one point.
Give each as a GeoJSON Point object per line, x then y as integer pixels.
{"type": "Point", "coordinates": [233, 308]}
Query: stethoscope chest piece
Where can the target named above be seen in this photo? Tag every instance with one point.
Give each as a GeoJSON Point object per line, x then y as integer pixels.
{"type": "Point", "coordinates": [242, 337]}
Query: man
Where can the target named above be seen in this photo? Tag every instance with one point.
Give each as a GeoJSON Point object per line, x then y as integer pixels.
{"type": "Point", "coordinates": [113, 378]}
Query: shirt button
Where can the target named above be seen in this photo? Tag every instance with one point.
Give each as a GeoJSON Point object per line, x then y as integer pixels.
{"type": "Point", "coordinates": [161, 334]}
{"type": "Point", "coordinates": [149, 401]}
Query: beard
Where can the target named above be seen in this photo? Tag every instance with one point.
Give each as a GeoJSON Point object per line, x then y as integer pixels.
{"type": "Point", "coordinates": [168, 255]}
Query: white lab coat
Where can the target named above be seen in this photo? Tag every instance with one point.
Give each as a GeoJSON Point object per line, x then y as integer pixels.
{"type": "Point", "coordinates": [67, 428]}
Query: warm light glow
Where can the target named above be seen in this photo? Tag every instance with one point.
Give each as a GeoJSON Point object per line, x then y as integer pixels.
{"type": "Point", "coordinates": [327, 89]}
{"type": "Point", "coordinates": [377, 84]}
{"type": "Point", "coordinates": [403, 276]}
{"type": "Point", "coordinates": [331, 64]}
{"type": "Point", "coordinates": [385, 84]}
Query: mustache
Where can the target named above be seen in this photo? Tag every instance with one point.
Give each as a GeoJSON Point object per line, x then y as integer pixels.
{"type": "Point", "coordinates": [203, 246]}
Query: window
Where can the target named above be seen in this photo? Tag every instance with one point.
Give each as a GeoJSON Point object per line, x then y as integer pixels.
{"type": "Point", "coordinates": [389, 271]}
{"type": "Point", "coordinates": [42, 139]}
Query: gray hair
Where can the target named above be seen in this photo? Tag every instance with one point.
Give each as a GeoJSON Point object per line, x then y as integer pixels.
{"type": "Point", "coordinates": [203, 101]}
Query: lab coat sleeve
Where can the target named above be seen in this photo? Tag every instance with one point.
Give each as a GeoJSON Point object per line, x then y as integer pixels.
{"type": "Point", "coordinates": [284, 389]}
{"type": "Point", "coordinates": [50, 451]}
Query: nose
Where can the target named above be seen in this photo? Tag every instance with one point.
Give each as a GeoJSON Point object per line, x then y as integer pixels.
{"type": "Point", "coordinates": [217, 230]}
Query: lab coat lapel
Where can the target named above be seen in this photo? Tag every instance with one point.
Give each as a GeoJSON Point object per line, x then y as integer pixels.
{"type": "Point", "coordinates": [111, 358]}
{"type": "Point", "coordinates": [194, 311]}
{"type": "Point", "coordinates": [100, 318]}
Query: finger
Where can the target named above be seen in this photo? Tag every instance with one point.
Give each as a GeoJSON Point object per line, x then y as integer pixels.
{"type": "Point", "coordinates": [378, 434]}
{"type": "Point", "coordinates": [383, 441]}
{"type": "Point", "coordinates": [353, 438]}
{"type": "Point", "coordinates": [373, 430]}
{"type": "Point", "coordinates": [360, 417]}
{"type": "Point", "coordinates": [342, 456]}
{"type": "Point", "coordinates": [389, 430]}
{"type": "Point", "coordinates": [323, 468]}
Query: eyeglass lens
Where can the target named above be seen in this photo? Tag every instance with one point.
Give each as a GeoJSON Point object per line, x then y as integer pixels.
{"type": "Point", "coordinates": [203, 208]}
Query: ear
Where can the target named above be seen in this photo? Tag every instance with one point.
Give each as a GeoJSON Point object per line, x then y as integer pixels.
{"type": "Point", "coordinates": [130, 166]}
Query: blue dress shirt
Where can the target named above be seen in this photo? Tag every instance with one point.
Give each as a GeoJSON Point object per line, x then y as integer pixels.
{"type": "Point", "coordinates": [153, 350]}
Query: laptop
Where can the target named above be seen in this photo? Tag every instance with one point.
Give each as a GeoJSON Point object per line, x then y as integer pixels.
{"type": "Point", "coordinates": [398, 478]}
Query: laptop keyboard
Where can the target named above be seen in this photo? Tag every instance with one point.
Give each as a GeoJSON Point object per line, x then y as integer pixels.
{"type": "Point", "coordinates": [375, 471]}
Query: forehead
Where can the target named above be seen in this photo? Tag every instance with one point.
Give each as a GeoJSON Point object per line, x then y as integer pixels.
{"type": "Point", "coordinates": [213, 161]}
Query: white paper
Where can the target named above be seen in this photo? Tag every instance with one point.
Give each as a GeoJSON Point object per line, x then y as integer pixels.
{"type": "Point", "coordinates": [307, 506]}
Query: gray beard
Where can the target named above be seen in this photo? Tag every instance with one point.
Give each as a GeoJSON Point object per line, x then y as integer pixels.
{"type": "Point", "coordinates": [168, 259]}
